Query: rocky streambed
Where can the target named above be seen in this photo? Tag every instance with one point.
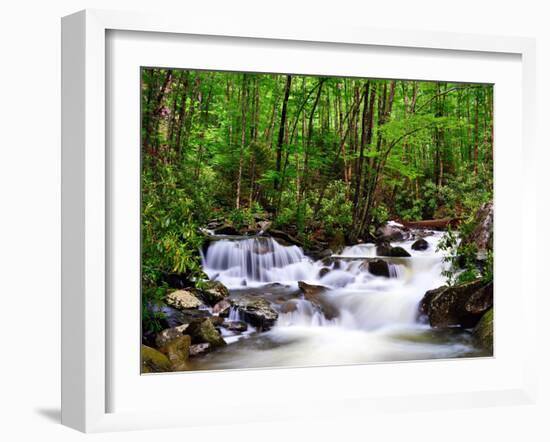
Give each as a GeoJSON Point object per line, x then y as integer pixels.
{"type": "Point", "coordinates": [270, 305]}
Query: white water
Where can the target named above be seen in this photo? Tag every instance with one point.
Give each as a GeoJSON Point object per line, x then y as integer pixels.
{"type": "Point", "coordinates": [377, 315]}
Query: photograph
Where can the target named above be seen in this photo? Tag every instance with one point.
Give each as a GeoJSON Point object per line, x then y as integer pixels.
{"type": "Point", "coordinates": [293, 220]}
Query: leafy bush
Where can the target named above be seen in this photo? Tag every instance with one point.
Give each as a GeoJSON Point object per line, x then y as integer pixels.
{"type": "Point", "coordinates": [170, 238]}
{"type": "Point", "coordinates": [335, 211]}
{"type": "Point", "coordinates": [461, 194]}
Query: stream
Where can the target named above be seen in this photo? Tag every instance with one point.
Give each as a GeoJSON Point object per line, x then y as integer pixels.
{"type": "Point", "coordinates": [377, 317]}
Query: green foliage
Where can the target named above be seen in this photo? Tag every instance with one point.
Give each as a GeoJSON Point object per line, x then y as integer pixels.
{"type": "Point", "coordinates": [461, 194]}
{"type": "Point", "coordinates": [463, 262]}
{"type": "Point", "coordinates": [336, 210]}
{"type": "Point", "coordinates": [380, 215]}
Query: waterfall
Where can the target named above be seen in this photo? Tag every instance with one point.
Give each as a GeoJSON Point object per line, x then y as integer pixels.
{"type": "Point", "coordinates": [255, 260]}
{"type": "Point", "coordinates": [364, 300]}
{"type": "Point", "coordinates": [376, 316]}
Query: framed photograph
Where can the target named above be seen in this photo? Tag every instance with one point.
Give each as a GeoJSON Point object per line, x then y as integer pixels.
{"type": "Point", "coordinates": [315, 216]}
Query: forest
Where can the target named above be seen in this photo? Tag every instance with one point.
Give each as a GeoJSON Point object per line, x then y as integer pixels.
{"type": "Point", "coordinates": [323, 160]}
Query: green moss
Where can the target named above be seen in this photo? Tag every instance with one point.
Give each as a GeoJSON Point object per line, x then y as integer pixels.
{"type": "Point", "coordinates": [153, 361]}
{"type": "Point", "coordinates": [177, 351]}
{"type": "Point", "coordinates": [483, 332]}
{"type": "Point", "coordinates": [204, 331]}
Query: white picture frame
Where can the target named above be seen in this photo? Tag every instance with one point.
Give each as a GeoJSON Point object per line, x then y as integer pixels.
{"type": "Point", "coordinates": [86, 211]}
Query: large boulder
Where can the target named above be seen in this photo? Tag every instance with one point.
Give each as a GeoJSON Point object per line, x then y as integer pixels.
{"type": "Point", "coordinates": [153, 361]}
{"type": "Point", "coordinates": [203, 330]}
{"type": "Point", "coordinates": [256, 311]}
{"type": "Point", "coordinates": [392, 232]}
{"type": "Point", "coordinates": [183, 299]}
{"type": "Point", "coordinates": [461, 305]}
{"type": "Point", "coordinates": [177, 352]}
{"type": "Point", "coordinates": [315, 295]}
{"type": "Point", "coordinates": [483, 331]}
{"type": "Point", "coordinates": [212, 293]}
{"type": "Point", "coordinates": [482, 234]}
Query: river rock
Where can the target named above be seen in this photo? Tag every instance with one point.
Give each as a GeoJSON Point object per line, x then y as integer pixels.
{"type": "Point", "coordinates": [153, 361]}
{"type": "Point", "coordinates": [183, 299]}
{"type": "Point", "coordinates": [177, 352]}
{"type": "Point", "coordinates": [203, 330]}
{"type": "Point", "coordinates": [212, 293]}
{"type": "Point", "coordinates": [315, 295]}
{"type": "Point", "coordinates": [175, 317]}
{"type": "Point", "coordinates": [198, 349]}
{"type": "Point", "coordinates": [383, 248]}
{"type": "Point", "coordinates": [399, 252]}
{"type": "Point", "coordinates": [323, 271]}
{"type": "Point", "coordinates": [377, 267]}
{"type": "Point", "coordinates": [256, 311]}
{"type": "Point", "coordinates": [169, 334]}
{"type": "Point", "coordinates": [235, 326]}
{"type": "Point", "coordinates": [420, 244]}
{"type": "Point", "coordinates": [461, 305]}
{"type": "Point", "coordinates": [222, 308]}
{"type": "Point", "coordinates": [392, 232]}
{"type": "Point", "coordinates": [483, 331]}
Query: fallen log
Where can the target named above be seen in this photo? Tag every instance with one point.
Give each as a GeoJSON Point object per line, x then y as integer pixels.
{"type": "Point", "coordinates": [434, 224]}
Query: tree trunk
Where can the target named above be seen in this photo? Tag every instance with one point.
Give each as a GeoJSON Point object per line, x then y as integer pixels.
{"type": "Point", "coordinates": [281, 136]}
{"type": "Point", "coordinates": [244, 108]}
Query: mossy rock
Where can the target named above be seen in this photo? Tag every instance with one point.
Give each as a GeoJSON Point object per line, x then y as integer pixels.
{"type": "Point", "coordinates": [153, 361]}
{"type": "Point", "coordinates": [460, 305]}
{"type": "Point", "coordinates": [177, 352]}
{"type": "Point", "coordinates": [213, 292]}
{"type": "Point", "coordinates": [204, 331]}
{"type": "Point", "coordinates": [165, 336]}
{"type": "Point", "coordinates": [483, 332]}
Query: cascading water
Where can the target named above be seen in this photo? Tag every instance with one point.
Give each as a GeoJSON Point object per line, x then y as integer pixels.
{"type": "Point", "coordinates": [253, 261]}
{"type": "Point", "coordinates": [377, 316]}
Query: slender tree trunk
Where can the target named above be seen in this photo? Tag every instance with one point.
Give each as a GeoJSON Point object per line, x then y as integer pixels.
{"type": "Point", "coordinates": [244, 106]}
{"type": "Point", "coordinates": [254, 140]}
{"type": "Point", "coordinates": [281, 136]}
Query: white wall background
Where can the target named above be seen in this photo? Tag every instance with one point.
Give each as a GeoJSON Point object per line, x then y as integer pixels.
{"type": "Point", "coordinates": [30, 214]}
